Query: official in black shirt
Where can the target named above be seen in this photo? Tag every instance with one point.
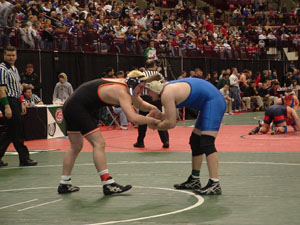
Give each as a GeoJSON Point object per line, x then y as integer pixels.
{"type": "Point", "coordinates": [31, 79]}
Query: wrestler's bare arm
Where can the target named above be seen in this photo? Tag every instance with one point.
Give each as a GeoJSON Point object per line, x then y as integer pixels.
{"type": "Point", "coordinates": [126, 104]}
{"type": "Point", "coordinates": [296, 118]}
{"type": "Point", "coordinates": [139, 103]}
{"type": "Point", "coordinates": [170, 114]}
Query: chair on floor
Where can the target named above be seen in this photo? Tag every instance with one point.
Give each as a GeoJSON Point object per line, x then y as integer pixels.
{"type": "Point", "coordinates": [114, 116]}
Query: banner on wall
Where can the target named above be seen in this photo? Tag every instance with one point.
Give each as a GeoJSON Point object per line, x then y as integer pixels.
{"type": "Point", "coordinates": [56, 122]}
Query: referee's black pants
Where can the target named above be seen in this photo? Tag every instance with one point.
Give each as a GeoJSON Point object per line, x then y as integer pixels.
{"type": "Point", "coordinates": [13, 131]}
{"type": "Point", "coordinates": [142, 129]}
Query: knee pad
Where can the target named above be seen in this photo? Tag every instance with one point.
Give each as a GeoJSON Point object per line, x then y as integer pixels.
{"type": "Point", "coordinates": [204, 144]}
{"type": "Point", "coordinates": [195, 144]}
{"type": "Point", "coordinates": [207, 144]}
{"type": "Point", "coordinates": [285, 129]}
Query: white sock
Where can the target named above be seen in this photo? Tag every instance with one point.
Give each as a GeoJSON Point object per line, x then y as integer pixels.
{"type": "Point", "coordinates": [65, 180]}
{"type": "Point", "coordinates": [195, 177]}
{"type": "Point", "coordinates": [215, 179]}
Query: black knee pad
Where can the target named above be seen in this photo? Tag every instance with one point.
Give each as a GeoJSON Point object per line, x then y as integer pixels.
{"type": "Point", "coordinates": [195, 144]}
{"type": "Point", "coordinates": [207, 144]}
{"type": "Point", "coordinates": [202, 144]}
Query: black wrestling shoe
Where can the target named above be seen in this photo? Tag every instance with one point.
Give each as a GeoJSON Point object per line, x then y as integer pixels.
{"type": "Point", "coordinates": [166, 145]}
{"type": "Point", "coordinates": [28, 162]}
{"type": "Point", "coordinates": [67, 188]}
{"type": "Point", "coordinates": [274, 130]}
{"type": "Point", "coordinates": [3, 163]}
{"type": "Point", "coordinates": [139, 145]}
{"type": "Point", "coordinates": [260, 123]}
{"type": "Point", "coordinates": [191, 183]}
{"type": "Point", "coordinates": [114, 188]}
{"type": "Point", "coordinates": [212, 188]}
{"type": "Point", "coordinates": [254, 131]}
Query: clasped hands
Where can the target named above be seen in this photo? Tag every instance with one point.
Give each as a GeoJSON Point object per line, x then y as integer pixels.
{"type": "Point", "coordinates": [156, 114]}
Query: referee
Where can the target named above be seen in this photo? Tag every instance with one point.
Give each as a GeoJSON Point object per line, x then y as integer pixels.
{"type": "Point", "coordinates": [12, 107]}
{"type": "Point", "coordinates": [164, 135]}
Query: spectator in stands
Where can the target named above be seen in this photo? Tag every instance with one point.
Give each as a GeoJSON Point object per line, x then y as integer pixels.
{"type": "Point", "coordinates": [288, 78]}
{"type": "Point", "coordinates": [109, 73]}
{"type": "Point", "coordinates": [157, 23]}
{"type": "Point", "coordinates": [252, 95]}
{"type": "Point", "coordinates": [224, 80]}
{"type": "Point", "coordinates": [215, 79]}
{"type": "Point", "coordinates": [8, 15]}
{"type": "Point", "coordinates": [31, 99]}
{"type": "Point", "coordinates": [243, 80]}
{"type": "Point", "coordinates": [274, 94]}
{"type": "Point", "coordinates": [198, 73]}
{"type": "Point", "coordinates": [31, 79]}
{"type": "Point", "coordinates": [192, 73]}
{"type": "Point", "coordinates": [27, 40]}
{"type": "Point", "coordinates": [120, 74]}
{"type": "Point", "coordinates": [225, 92]}
{"type": "Point", "coordinates": [265, 76]}
{"type": "Point", "coordinates": [63, 89]}
{"type": "Point", "coordinates": [182, 75]}
{"type": "Point", "coordinates": [150, 52]}
{"type": "Point", "coordinates": [263, 93]}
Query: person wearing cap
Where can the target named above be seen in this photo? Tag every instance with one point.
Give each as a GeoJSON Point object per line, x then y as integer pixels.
{"type": "Point", "coordinates": [78, 114]}
{"type": "Point", "coordinates": [206, 98]}
{"type": "Point", "coordinates": [63, 89]}
{"type": "Point", "coordinates": [31, 79]}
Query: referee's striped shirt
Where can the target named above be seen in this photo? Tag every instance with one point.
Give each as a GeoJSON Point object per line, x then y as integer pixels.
{"type": "Point", "coordinates": [150, 73]}
{"type": "Point", "coordinates": [9, 77]}
{"type": "Point", "coordinates": [34, 99]}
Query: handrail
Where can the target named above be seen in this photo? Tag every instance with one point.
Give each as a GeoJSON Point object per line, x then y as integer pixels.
{"type": "Point", "coordinates": [91, 41]}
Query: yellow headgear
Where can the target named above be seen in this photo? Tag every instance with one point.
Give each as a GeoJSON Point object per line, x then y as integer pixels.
{"type": "Point", "coordinates": [155, 86]}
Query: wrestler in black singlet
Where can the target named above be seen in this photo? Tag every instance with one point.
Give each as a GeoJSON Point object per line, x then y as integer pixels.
{"type": "Point", "coordinates": [79, 108]}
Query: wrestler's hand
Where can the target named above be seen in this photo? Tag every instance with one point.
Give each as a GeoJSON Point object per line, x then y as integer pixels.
{"type": "Point", "coordinates": [154, 124]}
{"type": "Point", "coordinates": [155, 113]}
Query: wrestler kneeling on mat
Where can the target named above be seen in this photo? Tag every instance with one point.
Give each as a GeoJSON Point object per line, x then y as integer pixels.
{"type": "Point", "coordinates": [78, 111]}
{"type": "Point", "coordinates": [281, 116]}
{"type": "Point", "coordinates": [203, 96]}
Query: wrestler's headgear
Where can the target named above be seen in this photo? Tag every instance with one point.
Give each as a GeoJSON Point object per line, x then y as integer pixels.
{"type": "Point", "coordinates": [133, 79]}
{"type": "Point", "coordinates": [155, 84]}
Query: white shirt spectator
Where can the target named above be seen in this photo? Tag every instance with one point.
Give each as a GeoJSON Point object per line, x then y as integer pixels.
{"type": "Point", "coordinates": [107, 8]}
{"type": "Point", "coordinates": [234, 80]}
{"type": "Point", "coordinates": [271, 36]}
{"type": "Point", "coordinates": [262, 36]}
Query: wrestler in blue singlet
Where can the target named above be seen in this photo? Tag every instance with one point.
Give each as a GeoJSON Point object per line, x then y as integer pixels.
{"type": "Point", "coordinates": [208, 100]}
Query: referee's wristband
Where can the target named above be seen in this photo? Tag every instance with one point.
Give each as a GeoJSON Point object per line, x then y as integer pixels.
{"type": "Point", "coordinates": [21, 99]}
{"type": "Point", "coordinates": [4, 101]}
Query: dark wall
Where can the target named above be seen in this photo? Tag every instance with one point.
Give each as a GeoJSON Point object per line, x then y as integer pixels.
{"type": "Point", "coordinates": [82, 67]}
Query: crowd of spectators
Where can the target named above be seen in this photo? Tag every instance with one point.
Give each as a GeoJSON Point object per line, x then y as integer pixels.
{"type": "Point", "coordinates": [245, 91]}
{"type": "Point", "coordinates": [247, 31]}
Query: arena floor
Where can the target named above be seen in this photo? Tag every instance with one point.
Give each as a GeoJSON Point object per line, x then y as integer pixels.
{"type": "Point", "coordinates": [259, 176]}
